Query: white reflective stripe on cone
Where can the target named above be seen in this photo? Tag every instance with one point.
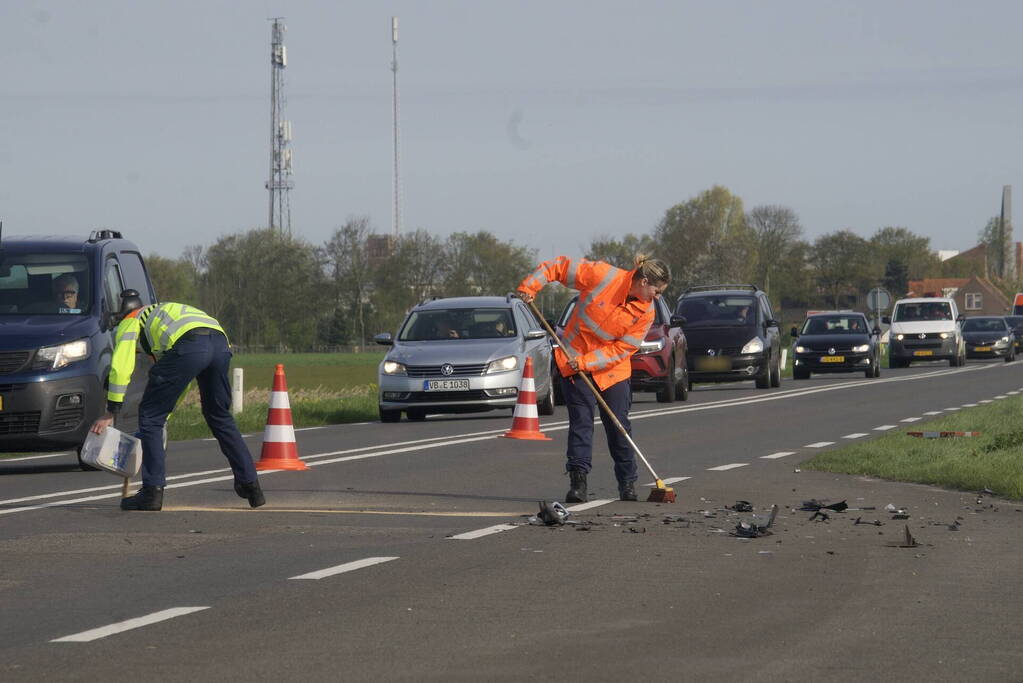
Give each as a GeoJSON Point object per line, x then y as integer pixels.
{"type": "Point", "coordinates": [526, 410]}
{"type": "Point", "coordinates": [528, 385]}
{"type": "Point", "coordinates": [279, 434]}
{"type": "Point", "coordinates": [279, 399]}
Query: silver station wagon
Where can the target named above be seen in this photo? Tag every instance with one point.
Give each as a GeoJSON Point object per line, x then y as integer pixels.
{"type": "Point", "coordinates": [463, 355]}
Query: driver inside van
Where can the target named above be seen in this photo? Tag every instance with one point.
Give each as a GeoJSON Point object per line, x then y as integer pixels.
{"type": "Point", "coordinates": [65, 293]}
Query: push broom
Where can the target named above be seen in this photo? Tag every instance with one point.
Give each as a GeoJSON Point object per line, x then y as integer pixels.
{"type": "Point", "coordinates": [660, 493]}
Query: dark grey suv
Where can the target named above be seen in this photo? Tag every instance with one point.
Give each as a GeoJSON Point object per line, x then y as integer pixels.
{"type": "Point", "coordinates": [732, 335]}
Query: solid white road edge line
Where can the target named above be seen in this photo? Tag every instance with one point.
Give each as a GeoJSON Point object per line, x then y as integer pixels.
{"type": "Point", "coordinates": [346, 567]}
{"type": "Point", "coordinates": [122, 626]}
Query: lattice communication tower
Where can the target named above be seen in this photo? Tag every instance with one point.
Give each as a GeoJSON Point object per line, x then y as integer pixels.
{"type": "Point", "coordinates": [280, 183]}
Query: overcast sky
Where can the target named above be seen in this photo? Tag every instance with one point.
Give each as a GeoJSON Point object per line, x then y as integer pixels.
{"type": "Point", "coordinates": [548, 123]}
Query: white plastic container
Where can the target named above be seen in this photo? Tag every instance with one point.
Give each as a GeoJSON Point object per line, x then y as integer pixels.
{"type": "Point", "coordinates": [113, 451]}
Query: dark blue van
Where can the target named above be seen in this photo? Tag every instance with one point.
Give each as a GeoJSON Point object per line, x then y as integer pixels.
{"type": "Point", "coordinates": [59, 298]}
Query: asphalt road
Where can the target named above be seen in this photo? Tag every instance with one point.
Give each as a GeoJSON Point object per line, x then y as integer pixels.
{"type": "Point", "coordinates": [399, 555]}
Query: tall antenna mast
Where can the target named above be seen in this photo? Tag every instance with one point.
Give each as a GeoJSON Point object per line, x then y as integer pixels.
{"type": "Point", "coordinates": [1008, 245]}
{"type": "Point", "coordinates": [280, 182]}
{"type": "Point", "coordinates": [396, 220]}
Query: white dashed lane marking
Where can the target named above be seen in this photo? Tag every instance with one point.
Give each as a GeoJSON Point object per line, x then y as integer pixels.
{"type": "Point", "coordinates": [933, 412]}
{"type": "Point", "coordinates": [819, 444]}
{"type": "Point", "coordinates": [342, 568]}
{"type": "Point", "coordinates": [985, 400]}
{"type": "Point", "coordinates": [884, 428]}
{"type": "Point", "coordinates": [1001, 397]}
{"type": "Point", "coordinates": [910, 419]}
{"type": "Point", "coordinates": [857, 435]}
{"type": "Point", "coordinates": [1012, 393]}
{"type": "Point", "coordinates": [780, 454]}
{"type": "Point", "coordinates": [479, 533]}
{"type": "Point", "coordinates": [969, 405]}
{"type": "Point", "coordinates": [669, 480]}
{"type": "Point", "coordinates": [722, 468]}
{"type": "Point", "coordinates": [122, 626]}
{"type": "Point", "coordinates": [952, 410]}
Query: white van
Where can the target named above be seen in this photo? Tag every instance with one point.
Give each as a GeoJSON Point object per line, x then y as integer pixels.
{"type": "Point", "coordinates": [927, 328]}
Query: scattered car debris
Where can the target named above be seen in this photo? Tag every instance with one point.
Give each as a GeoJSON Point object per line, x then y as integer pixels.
{"type": "Point", "coordinates": [907, 542]}
{"type": "Point", "coordinates": [875, 522]}
{"type": "Point", "coordinates": [550, 514]}
{"type": "Point", "coordinates": [822, 516]}
{"type": "Point", "coordinates": [741, 506]}
{"type": "Point", "coordinates": [813, 505]}
{"type": "Point", "coordinates": [757, 526]}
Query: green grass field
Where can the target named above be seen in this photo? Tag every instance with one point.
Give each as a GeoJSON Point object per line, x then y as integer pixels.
{"type": "Point", "coordinates": [323, 388]}
{"type": "Point", "coordinates": [993, 460]}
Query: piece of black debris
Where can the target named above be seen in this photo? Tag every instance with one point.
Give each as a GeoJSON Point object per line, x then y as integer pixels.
{"type": "Point", "coordinates": [635, 530]}
{"type": "Point", "coordinates": [741, 506]}
{"type": "Point", "coordinates": [954, 526]}
{"type": "Point", "coordinates": [812, 505]}
{"type": "Point", "coordinates": [837, 507]}
{"type": "Point", "coordinates": [552, 514]}
{"type": "Point", "coordinates": [757, 526]}
{"type": "Point", "coordinates": [900, 515]}
{"type": "Point", "coordinates": [907, 541]}
{"type": "Point", "coordinates": [875, 522]}
{"type": "Point", "coordinates": [823, 516]}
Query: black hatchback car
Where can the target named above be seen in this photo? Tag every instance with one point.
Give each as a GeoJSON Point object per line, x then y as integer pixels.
{"type": "Point", "coordinates": [732, 335]}
{"type": "Point", "coordinates": [836, 341]}
{"type": "Point", "coordinates": [989, 337]}
{"type": "Point", "coordinates": [1016, 323]}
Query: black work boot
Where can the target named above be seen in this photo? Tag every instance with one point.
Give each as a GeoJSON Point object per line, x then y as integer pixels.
{"type": "Point", "coordinates": [148, 498]}
{"type": "Point", "coordinates": [251, 491]}
{"type": "Point", "coordinates": [627, 491]}
{"type": "Point", "coordinates": [577, 491]}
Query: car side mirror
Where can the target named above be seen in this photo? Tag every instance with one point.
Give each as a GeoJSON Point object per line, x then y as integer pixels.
{"type": "Point", "coordinates": [535, 333]}
{"type": "Point", "coordinates": [677, 321]}
{"type": "Point", "coordinates": [876, 331]}
{"type": "Point", "coordinates": [552, 323]}
{"type": "Point", "coordinates": [770, 322]}
{"type": "Point", "coordinates": [794, 332]}
{"type": "Point", "coordinates": [962, 317]}
{"type": "Point", "coordinates": [384, 339]}
{"type": "Point", "coordinates": [886, 320]}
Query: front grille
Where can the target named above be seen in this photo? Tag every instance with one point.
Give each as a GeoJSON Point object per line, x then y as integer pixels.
{"type": "Point", "coordinates": [921, 343]}
{"type": "Point", "coordinates": [12, 361]}
{"type": "Point", "coordinates": [430, 396]}
{"type": "Point", "coordinates": [8, 388]}
{"type": "Point", "coordinates": [474, 370]}
{"type": "Point", "coordinates": [19, 423]}
{"type": "Point", "coordinates": [67, 418]}
{"type": "Point", "coordinates": [724, 351]}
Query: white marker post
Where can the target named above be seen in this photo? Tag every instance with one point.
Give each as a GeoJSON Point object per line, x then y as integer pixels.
{"type": "Point", "coordinates": [237, 389]}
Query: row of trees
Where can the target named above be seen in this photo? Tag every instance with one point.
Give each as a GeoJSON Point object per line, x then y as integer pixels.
{"type": "Point", "coordinates": [271, 290]}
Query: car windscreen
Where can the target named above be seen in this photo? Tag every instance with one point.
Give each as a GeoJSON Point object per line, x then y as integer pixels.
{"type": "Point", "coordinates": [1015, 321]}
{"type": "Point", "coordinates": [451, 324]}
{"type": "Point", "coordinates": [44, 284]}
{"type": "Point", "coordinates": [717, 310]}
{"type": "Point", "coordinates": [922, 311]}
{"type": "Point", "coordinates": [984, 325]}
{"type": "Point", "coordinates": [835, 324]}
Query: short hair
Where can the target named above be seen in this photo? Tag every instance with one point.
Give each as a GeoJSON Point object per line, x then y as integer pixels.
{"type": "Point", "coordinates": [67, 279]}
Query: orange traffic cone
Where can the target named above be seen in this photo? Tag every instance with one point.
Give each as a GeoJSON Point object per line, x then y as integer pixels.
{"type": "Point", "coordinates": [525, 421]}
{"type": "Point", "coordinates": [279, 449]}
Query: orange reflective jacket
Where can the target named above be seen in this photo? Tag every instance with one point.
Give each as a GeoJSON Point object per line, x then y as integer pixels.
{"type": "Point", "coordinates": [606, 327]}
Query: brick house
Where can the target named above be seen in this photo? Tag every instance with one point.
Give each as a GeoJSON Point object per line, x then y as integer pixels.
{"type": "Point", "coordinates": [973, 296]}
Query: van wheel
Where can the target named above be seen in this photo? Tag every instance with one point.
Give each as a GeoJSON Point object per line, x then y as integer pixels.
{"type": "Point", "coordinates": [666, 394]}
{"type": "Point", "coordinates": [763, 380]}
{"type": "Point", "coordinates": [682, 390]}
{"type": "Point", "coordinates": [390, 415]}
{"type": "Point", "coordinates": [776, 375]}
{"type": "Point", "coordinates": [800, 373]}
{"type": "Point", "coordinates": [1011, 357]}
{"type": "Point", "coordinates": [546, 405]}
{"type": "Point", "coordinates": [86, 467]}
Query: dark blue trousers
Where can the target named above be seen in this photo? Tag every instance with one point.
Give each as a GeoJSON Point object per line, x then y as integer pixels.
{"type": "Point", "coordinates": [581, 406]}
{"type": "Point", "coordinates": [206, 359]}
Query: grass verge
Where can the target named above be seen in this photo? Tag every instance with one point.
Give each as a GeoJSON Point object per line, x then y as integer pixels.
{"type": "Point", "coordinates": [993, 460]}
{"type": "Point", "coordinates": [309, 408]}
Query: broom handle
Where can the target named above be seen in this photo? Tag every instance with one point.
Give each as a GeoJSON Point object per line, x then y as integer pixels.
{"type": "Point", "coordinates": [596, 393]}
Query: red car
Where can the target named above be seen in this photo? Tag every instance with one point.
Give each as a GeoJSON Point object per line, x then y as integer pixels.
{"type": "Point", "coordinates": [659, 365]}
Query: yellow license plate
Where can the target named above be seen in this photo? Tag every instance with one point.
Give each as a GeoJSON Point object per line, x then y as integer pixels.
{"type": "Point", "coordinates": [923, 353]}
{"type": "Point", "coordinates": [714, 364]}
{"type": "Point", "coordinates": [832, 359]}
{"type": "Point", "coordinates": [1, 402]}
{"type": "Point", "coordinates": [981, 348]}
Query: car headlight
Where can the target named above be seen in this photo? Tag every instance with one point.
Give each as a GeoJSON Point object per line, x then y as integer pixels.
{"type": "Point", "coordinates": [56, 357]}
{"type": "Point", "coordinates": [800, 349]}
{"type": "Point", "coordinates": [502, 365]}
{"type": "Point", "coordinates": [651, 346]}
{"type": "Point", "coordinates": [900, 337]}
{"type": "Point", "coordinates": [753, 346]}
{"type": "Point", "coordinates": [945, 335]}
{"type": "Point", "coordinates": [1005, 340]}
{"type": "Point", "coordinates": [862, 348]}
{"type": "Point", "coordinates": [391, 367]}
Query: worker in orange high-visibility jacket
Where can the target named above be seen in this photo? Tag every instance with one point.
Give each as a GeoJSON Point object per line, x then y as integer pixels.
{"type": "Point", "coordinates": [606, 327]}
